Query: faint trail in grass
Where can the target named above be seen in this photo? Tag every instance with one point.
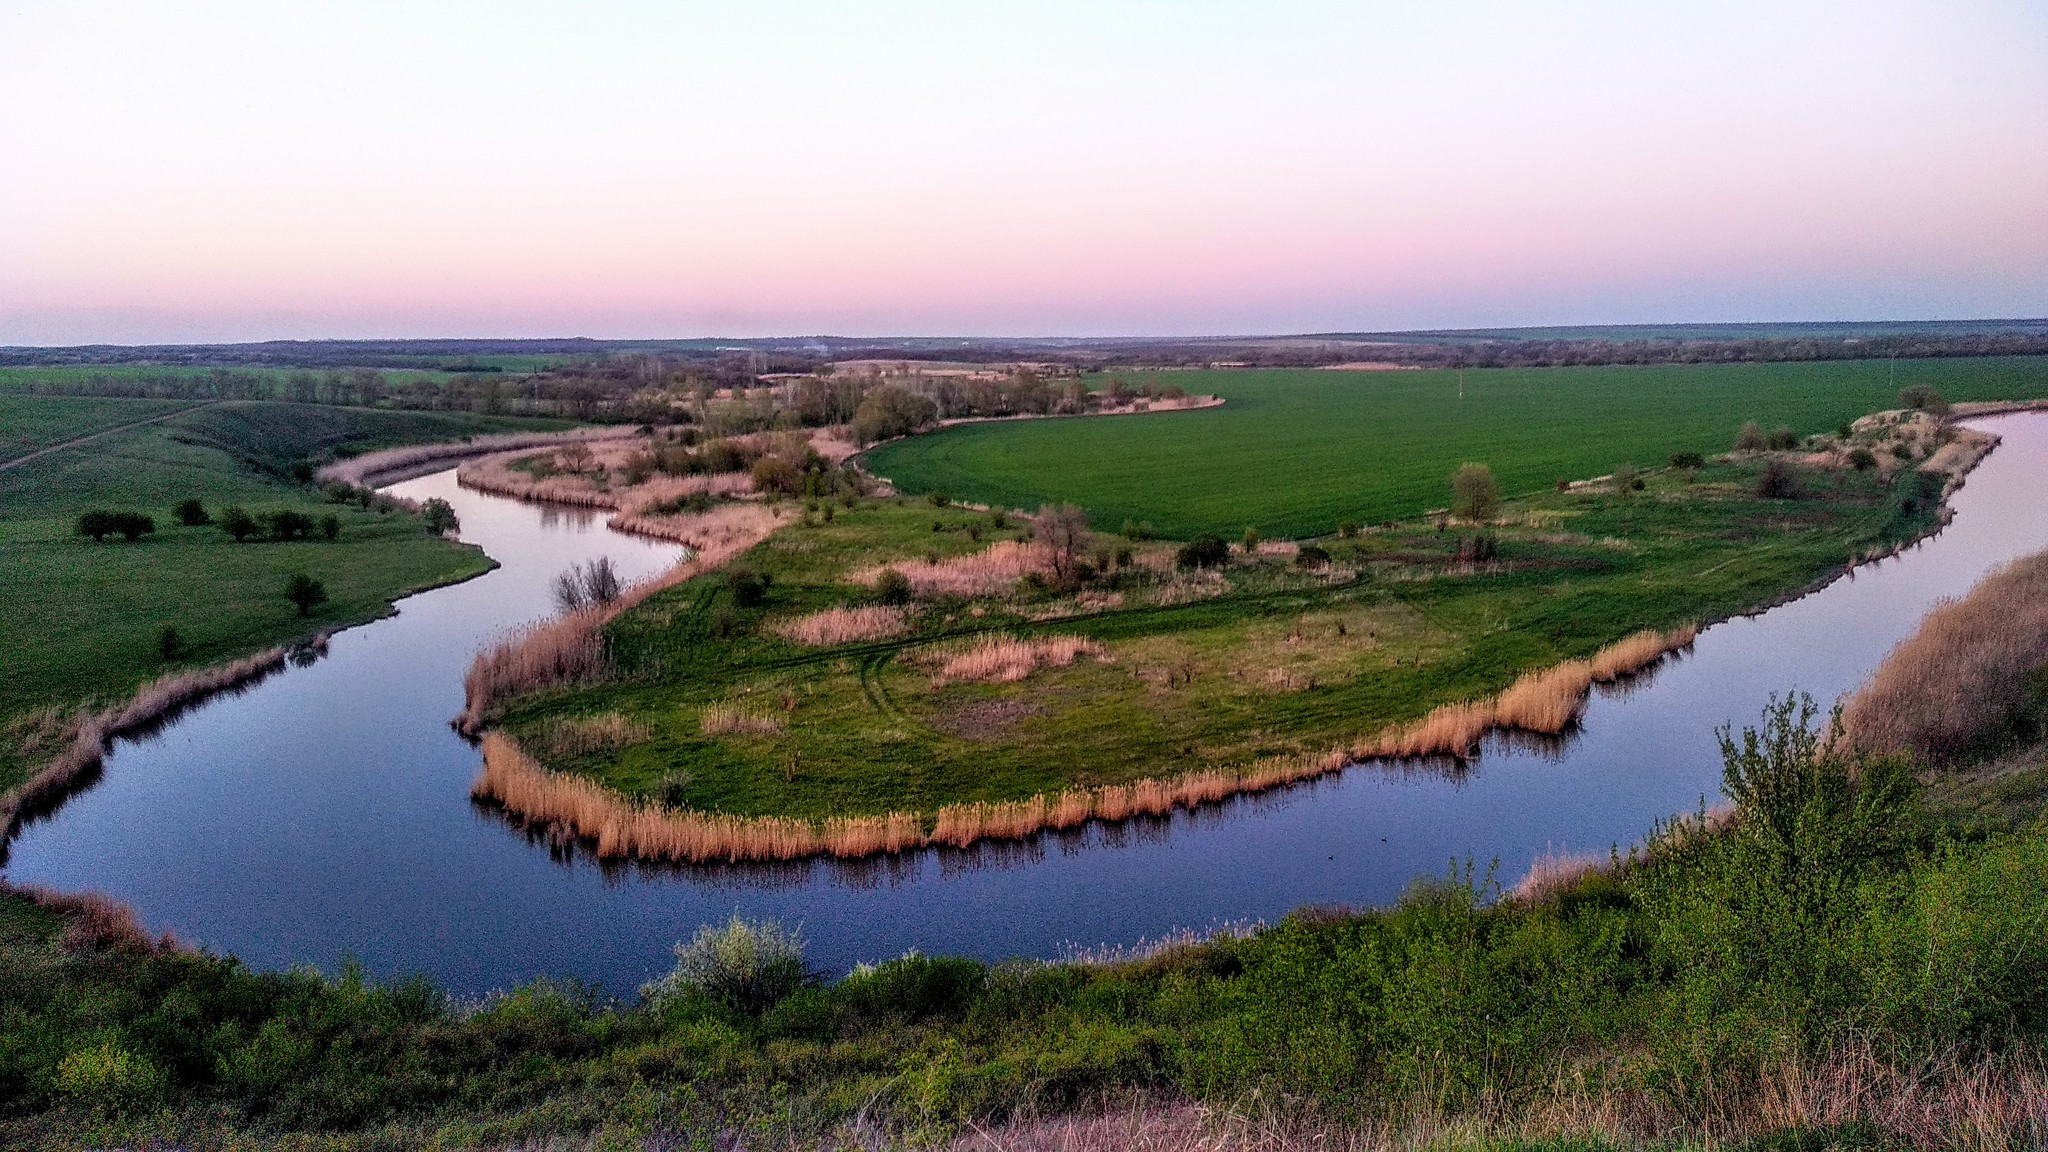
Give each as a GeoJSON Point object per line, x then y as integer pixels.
{"type": "Point", "coordinates": [75, 441]}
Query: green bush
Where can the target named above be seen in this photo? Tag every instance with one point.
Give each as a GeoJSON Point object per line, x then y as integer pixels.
{"type": "Point", "coordinates": [892, 588]}
{"type": "Point", "coordinates": [236, 522]}
{"type": "Point", "coordinates": [746, 965]}
{"type": "Point", "coordinates": [1203, 552]}
{"type": "Point", "coordinates": [191, 513]}
{"type": "Point", "coordinates": [304, 592]}
{"type": "Point", "coordinates": [288, 524]}
{"type": "Point", "coordinates": [749, 588]}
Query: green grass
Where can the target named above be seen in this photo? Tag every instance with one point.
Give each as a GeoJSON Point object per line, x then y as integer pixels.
{"type": "Point", "coordinates": [83, 618]}
{"type": "Point", "coordinates": [1294, 453]}
{"type": "Point", "coordinates": [31, 427]}
{"type": "Point", "coordinates": [1215, 683]}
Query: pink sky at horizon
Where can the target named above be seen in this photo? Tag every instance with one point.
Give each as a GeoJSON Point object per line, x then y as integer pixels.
{"type": "Point", "coordinates": [221, 171]}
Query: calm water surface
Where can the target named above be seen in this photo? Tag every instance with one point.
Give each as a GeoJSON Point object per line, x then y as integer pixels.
{"type": "Point", "coordinates": [324, 814]}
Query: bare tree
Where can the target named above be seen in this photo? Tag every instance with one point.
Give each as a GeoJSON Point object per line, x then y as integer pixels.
{"type": "Point", "coordinates": [1063, 531]}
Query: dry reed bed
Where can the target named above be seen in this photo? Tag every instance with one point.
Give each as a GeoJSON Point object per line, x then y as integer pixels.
{"type": "Point", "coordinates": [1006, 659]}
{"type": "Point", "coordinates": [1969, 671]}
{"type": "Point", "coordinates": [391, 463]}
{"type": "Point", "coordinates": [582, 735]}
{"type": "Point", "coordinates": [569, 649]}
{"type": "Point", "coordinates": [1991, 1102]}
{"type": "Point", "coordinates": [737, 719]}
{"type": "Point", "coordinates": [1544, 701]}
{"type": "Point", "coordinates": [92, 734]}
{"type": "Point", "coordinates": [835, 626]}
{"type": "Point", "coordinates": [989, 572]}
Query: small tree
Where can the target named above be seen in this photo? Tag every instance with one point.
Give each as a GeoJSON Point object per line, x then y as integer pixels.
{"type": "Point", "coordinates": [133, 525]}
{"type": "Point", "coordinates": [749, 588]}
{"type": "Point", "coordinates": [330, 526]}
{"type": "Point", "coordinates": [1921, 398]}
{"type": "Point", "coordinates": [1751, 438]}
{"type": "Point", "coordinates": [304, 592]}
{"type": "Point", "coordinates": [236, 522]}
{"type": "Point", "coordinates": [1203, 551]}
{"type": "Point", "coordinates": [97, 523]}
{"type": "Point", "coordinates": [1250, 540]}
{"type": "Point", "coordinates": [1474, 493]}
{"type": "Point", "coordinates": [1063, 531]}
{"type": "Point", "coordinates": [892, 588]}
{"type": "Point", "coordinates": [1347, 529]}
{"type": "Point", "coordinates": [1778, 481]}
{"type": "Point", "coordinates": [440, 516]}
{"type": "Point", "coordinates": [192, 514]}
{"type": "Point", "coordinates": [169, 644]}
{"type": "Point", "coordinates": [1783, 438]}
{"type": "Point", "coordinates": [289, 524]}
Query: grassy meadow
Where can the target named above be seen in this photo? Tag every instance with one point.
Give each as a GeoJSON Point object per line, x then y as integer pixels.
{"type": "Point", "coordinates": [1188, 673]}
{"type": "Point", "coordinates": [84, 618]}
{"type": "Point", "coordinates": [1293, 453]}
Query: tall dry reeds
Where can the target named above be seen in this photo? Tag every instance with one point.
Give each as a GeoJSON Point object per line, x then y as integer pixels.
{"type": "Point", "coordinates": [990, 572]}
{"type": "Point", "coordinates": [582, 735]}
{"type": "Point", "coordinates": [737, 719]}
{"type": "Point", "coordinates": [1968, 673]}
{"type": "Point", "coordinates": [1007, 659]}
{"type": "Point", "coordinates": [393, 464]}
{"type": "Point", "coordinates": [842, 625]}
{"type": "Point", "coordinates": [86, 740]}
{"type": "Point", "coordinates": [1545, 701]}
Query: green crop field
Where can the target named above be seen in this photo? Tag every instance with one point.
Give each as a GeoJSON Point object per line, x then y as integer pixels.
{"type": "Point", "coordinates": [82, 618]}
{"type": "Point", "coordinates": [1294, 453]}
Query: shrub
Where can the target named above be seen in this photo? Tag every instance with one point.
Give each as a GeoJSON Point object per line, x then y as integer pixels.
{"type": "Point", "coordinates": [96, 523]}
{"type": "Point", "coordinates": [912, 988]}
{"type": "Point", "coordinates": [1751, 438]}
{"type": "Point", "coordinates": [1311, 556]}
{"type": "Point", "coordinates": [1783, 438]}
{"type": "Point", "coordinates": [133, 525]}
{"type": "Point", "coordinates": [1862, 459]}
{"type": "Point", "coordinates": [1779, 481]}
{"type": "Point", "coordinates": [1475, 495]}
{"type": "Point", "coordinates": [892, 587]}
{"type": "Point", "coordinates": [775, 474]}
{"type": "Point", "coordinates": [1922, 398]}
{"type": "Point", "coordinates": [1136, 530]}
{"type": "Point", "coordinates": [169, 644]}
{"type": "Point", "coordinates": [889, 412]}
{"type": "Point", "coordinates": [587, 585]}
{"type": "Point", "coordinates": [440, 516]}
{"type": "Point", "coordinates": [1203, 551]}
{"type": "Point", "coordinates": [1902, 451]}
{"type": "Point", "coordinates": [1250, 540]}
{"type": "Point", "coordinates": [1347, 529]}
{"type": "Point", "coordinates": [191, 513]}
{"type": "Point", "coordinates": [289, 524]}
{"type": "Point", "coordinates": [304, 592]}
{"type": "Point", "coordinates": [236, 522]}
{"type": "Point", "coordinates": [330, 526]}
{"type": "Point", "coordinates": [749, 588]}
{"type": "Point", "coordinates": [746, 965]}
{"type": "Point", "coordinates": [1688, 460]}
{"type": "Point", "coordinates": [937, 499]}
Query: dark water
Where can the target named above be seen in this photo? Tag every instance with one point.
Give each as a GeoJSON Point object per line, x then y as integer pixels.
{"type": "Point", "coordinates": [324, 814]}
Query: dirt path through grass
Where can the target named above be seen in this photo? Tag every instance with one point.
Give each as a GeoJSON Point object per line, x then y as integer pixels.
{"type": "Point", "coordinates": [75, 441]}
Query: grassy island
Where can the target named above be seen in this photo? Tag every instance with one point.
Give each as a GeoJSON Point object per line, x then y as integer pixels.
{"type": "Point", "coordinates": [886, 670]}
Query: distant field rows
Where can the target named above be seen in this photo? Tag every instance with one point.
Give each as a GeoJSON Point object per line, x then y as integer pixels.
{"type": "Point", "coordinates": [1295, 452]}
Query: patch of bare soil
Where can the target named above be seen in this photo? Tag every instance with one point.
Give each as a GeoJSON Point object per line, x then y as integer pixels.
{"type": "Point", "coordinates": [984, 721]}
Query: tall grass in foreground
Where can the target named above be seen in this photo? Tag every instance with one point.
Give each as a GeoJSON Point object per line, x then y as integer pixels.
{"type": "Point", "coordinates": [1543, 701]}
{"type": "Point", "coordinates": [1968, 674]}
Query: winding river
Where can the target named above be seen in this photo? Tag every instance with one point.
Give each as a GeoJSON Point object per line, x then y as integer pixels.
{"type": "Point", "coordinates": [322, 815]}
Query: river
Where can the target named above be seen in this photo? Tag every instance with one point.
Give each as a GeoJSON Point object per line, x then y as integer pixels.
{"type": "Point", "coordinates": [322, 815]}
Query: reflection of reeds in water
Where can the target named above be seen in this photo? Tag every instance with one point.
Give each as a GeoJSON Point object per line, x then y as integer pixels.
{"type": "Point", "coordinates": [85, 740]}
{"type": "Point", "coordinates": [1545, 701]}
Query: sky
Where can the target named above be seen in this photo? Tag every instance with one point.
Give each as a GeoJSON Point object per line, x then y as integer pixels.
{"type": "Point", "coordinates": [206, 171]}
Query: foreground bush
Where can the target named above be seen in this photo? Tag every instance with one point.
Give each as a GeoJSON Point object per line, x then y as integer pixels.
{"type": "Point", "coordinates": [745, 965]}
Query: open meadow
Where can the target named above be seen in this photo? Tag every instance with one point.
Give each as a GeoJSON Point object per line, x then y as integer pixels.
{"type": "Point", "coordinates": [1293, 453]}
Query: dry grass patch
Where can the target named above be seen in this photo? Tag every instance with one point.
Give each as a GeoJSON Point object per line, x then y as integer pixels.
{"type": "Point", "coordinates": [582, 735]}
{"type": "Point", "coordinates": [1970, 671]}
{"type": "Point", "coordinates": [734, 718]}
{"type": "Point", "coordinates": [843, 625]}
{"type": "Point", "coordinates": [992, 571]}
{"type": "Point", "coordinates": [1005, 659]}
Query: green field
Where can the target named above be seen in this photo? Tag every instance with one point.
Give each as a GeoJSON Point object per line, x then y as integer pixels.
{"type": "Point", "coordinates": [82, 618]}
{"type": "Point", "coordinates": [1294, 453]}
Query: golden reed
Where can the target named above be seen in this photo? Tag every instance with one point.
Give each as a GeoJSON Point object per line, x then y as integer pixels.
{"type": "Point", "coordinates": [1544, 701]}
